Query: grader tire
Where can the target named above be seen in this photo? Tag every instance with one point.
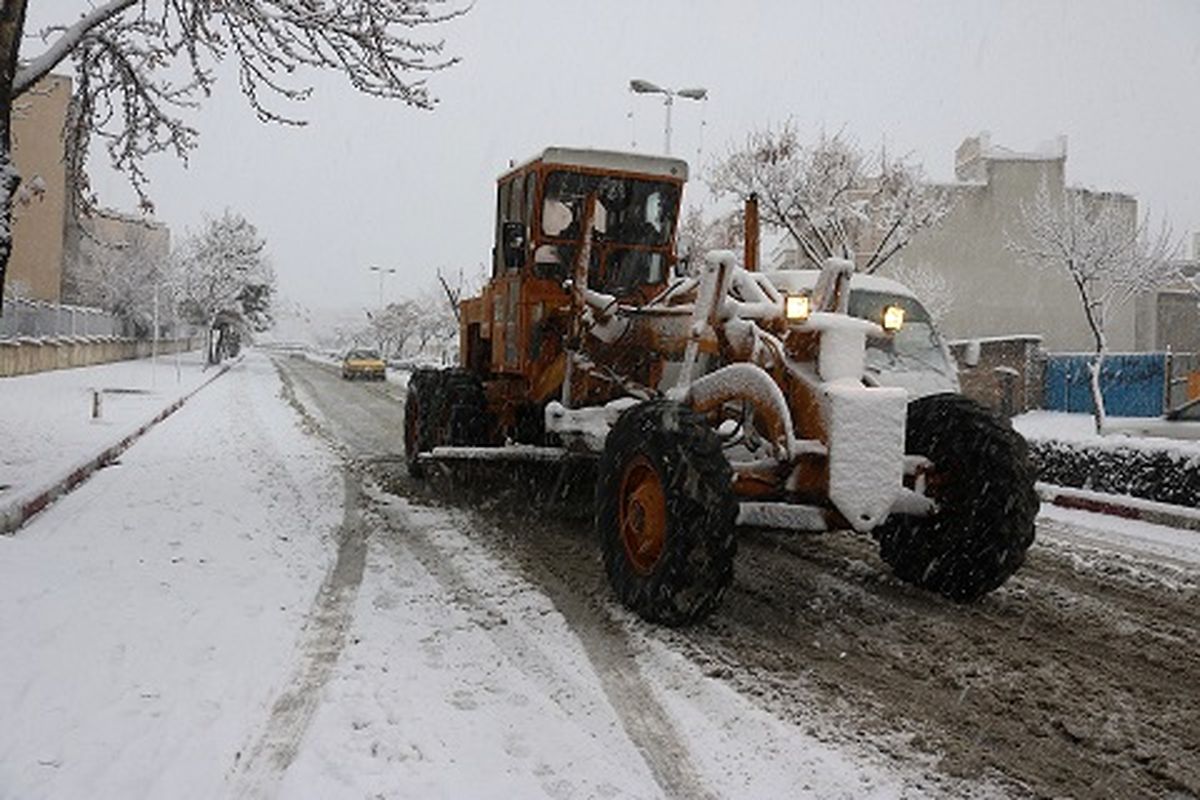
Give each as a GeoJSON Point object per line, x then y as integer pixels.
{"type": "Point", "coordinates": [465, 406]}
{"type": "Point", "coordinates": [983, 485]}
{"type": "Point", "coordinates": [420, 411]}
{"type": "Point", "coordinates": [665, 514]}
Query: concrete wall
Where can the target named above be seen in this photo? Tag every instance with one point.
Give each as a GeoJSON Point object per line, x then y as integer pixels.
{"type": "Point", "coordinates": [1008, 376]}
{"type": "Point", "coordinates": [38, 233]}
{"type": "Point", "coordinates": [994, 294]}
{"type": "Point", "coordinates": [27, 356]}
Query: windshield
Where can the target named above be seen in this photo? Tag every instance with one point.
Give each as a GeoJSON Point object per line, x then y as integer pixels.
{"type": "Point", "coordinates": [916, 347]}
{"type": "Point", "coordinates": [363, 354]}
{"type": "Point", "coordinates": [631, 211]}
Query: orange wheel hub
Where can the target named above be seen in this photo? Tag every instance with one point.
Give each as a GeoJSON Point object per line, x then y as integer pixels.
{"type": "Point", "coordinates": [643, 515]}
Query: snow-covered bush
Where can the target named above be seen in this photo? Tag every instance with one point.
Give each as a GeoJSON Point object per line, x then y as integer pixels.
{"type": "Point", "coordinates": [1167, 475]}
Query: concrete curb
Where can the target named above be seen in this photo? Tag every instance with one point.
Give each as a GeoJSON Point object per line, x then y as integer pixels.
{"type": "Point", "coordinates": [1121, 506]}
{"type": "Point", "coordinates": [17, 512]}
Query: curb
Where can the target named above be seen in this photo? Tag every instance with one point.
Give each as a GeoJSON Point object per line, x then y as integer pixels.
{"type": "Point", "coordinates": [18, 513]}
{"type": "Point", "coordinates": [1120, 506]}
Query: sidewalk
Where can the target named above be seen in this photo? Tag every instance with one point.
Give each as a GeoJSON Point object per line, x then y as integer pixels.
{"type": "Point", "coordinates": [49, 440]}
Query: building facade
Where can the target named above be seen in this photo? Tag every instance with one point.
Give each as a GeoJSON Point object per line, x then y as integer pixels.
{"type": "Point", "coordinates": [35, 267]}
{"type": "Point", "coordinates": [991, 292]}
{"type": "Point", "coordinates": [1170, 319]}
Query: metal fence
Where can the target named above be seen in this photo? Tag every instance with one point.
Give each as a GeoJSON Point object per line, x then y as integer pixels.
{"type": "Point", "coordinates": [1133, 384]}
{"type": "Point", "coordinates": [35, 319]}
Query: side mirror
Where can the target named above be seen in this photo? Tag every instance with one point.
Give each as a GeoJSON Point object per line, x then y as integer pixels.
{"type": "Point", "coordinates": [512, 237]}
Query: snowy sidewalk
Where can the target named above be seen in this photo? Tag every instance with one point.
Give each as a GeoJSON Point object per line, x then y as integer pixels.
{"type": "Point", "coordinates": [47, 432]}
{"type": "Point", "coordinates": [149, 618]}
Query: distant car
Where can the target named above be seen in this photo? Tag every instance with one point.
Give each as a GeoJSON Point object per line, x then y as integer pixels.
{"type": "Point", "coordinates": [363, 364]}
{"type": "Point", "coordinates": [1182, 423]}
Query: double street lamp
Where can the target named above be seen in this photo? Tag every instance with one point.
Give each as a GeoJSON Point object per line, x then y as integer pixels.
{"type": "Point", "coordinates": [639, 86]}
{"type": "Point", "coordinates": [381, 271]}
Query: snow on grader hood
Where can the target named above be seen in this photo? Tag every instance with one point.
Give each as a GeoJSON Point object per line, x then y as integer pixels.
{"type": "Point", "coordinates": [796, 400]}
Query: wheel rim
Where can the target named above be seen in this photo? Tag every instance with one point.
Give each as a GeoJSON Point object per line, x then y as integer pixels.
{"type": "Point", "coordinates": [643, 515]}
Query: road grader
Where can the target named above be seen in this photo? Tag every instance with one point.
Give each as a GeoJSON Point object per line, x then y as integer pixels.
{"type": "Point", "coordinates": [714, 396]}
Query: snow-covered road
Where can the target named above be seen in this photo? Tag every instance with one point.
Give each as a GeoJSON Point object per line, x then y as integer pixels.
{"type": "Point", "coordinates": [256, 602]}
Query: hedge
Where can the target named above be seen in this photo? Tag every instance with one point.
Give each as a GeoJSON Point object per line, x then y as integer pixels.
{"type": "Point", "coordinates": [1162, 475]}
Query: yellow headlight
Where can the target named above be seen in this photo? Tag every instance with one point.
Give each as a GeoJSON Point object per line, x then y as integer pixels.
{"type": "Point", "coordinates": [796, 307]}
{"type": "Point", "coordinates": [893, 318]}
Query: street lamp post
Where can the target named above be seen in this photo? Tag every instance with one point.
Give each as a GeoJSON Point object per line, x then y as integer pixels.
{"type": "Point", "coordinates": [381, 271]}
{"type": "Point", "coordinates": [639, 86]}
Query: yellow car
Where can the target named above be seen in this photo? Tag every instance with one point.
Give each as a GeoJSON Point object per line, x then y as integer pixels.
{"type": "Point", "coordinates": [363, 364]}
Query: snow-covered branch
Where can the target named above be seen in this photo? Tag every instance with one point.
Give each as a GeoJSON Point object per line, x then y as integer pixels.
{"type": "Point", "coordinates": [68, 39]}
{"type": "Point", "coordinates": [140, 63]}
{"type": "Point", "coordinates": [831, 199]}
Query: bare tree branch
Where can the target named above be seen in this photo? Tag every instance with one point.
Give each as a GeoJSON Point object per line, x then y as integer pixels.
{"type": "Point", "coordinates": [831, 199]}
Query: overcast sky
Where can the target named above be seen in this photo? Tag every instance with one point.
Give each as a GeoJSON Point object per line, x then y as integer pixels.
{"type": "Point", "coordinates": [373, 182]}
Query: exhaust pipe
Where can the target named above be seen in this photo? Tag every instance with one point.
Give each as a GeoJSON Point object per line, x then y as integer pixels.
{"type": "Point", "coordinates": [750, 257]}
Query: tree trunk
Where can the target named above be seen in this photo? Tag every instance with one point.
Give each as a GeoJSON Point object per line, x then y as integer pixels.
{"type": "Point", "coordinates": [1098, 414]}
{"type": "Point", "coordinates": [12, 25]}
{"type": "Point", "coordinates": [210, 354]}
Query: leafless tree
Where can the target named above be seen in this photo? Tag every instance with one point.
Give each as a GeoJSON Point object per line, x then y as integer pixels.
{"type": "Point", "coordinates": [831, 199]}
{"type": "Point", "coordinates": [140, 63]}
{"type": "Point", "coordinates": [1107, 253]}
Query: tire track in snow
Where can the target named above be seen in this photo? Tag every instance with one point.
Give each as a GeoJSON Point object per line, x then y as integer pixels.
{"type": "Point", "coordinates": [607, 646]}
{"type": "Point", "coordinates": [645, 722]}
{"type": "Point", "coordinates": [322, 641]}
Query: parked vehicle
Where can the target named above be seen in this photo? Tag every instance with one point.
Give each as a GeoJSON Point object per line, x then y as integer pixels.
{"type": "Point", "coordinates": [813, 401]}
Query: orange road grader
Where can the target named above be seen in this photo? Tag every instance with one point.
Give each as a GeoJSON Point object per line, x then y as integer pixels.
{"type": "Point", "coordinates": [713, 395]}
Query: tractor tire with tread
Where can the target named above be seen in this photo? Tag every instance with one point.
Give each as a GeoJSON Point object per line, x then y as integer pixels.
{"type": "Point", "coordinates": [465, 406]}
{"type": "Point", "coordinates": [420, 412]}
{"type": "Point", "coordinates": [665, 513]}
{"type": "Point", "coordinates": [983, 484]}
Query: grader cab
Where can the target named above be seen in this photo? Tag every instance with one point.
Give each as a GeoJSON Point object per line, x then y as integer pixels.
{"type": "Point", "coordinates": [712, 396]}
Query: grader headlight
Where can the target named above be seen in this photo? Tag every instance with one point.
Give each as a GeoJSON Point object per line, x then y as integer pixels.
{"type": "Point", "coordinates": [797, 307]}
{"type": "Point", "coordinates": [893, 318]}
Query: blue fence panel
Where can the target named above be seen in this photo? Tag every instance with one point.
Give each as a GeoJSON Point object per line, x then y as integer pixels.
{"type": "Point", "coordinates": [1132, 384]}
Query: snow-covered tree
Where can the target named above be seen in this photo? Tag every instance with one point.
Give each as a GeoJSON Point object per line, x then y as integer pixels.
{"type": "Point", "coordinates": [391, 327]}
{"type": "Point", "coordinates": [1107, 253]}
{"type": "Point", "coordinates": [133, 279]}
{"type": "Point", "coordinates": [226, 281]}
{"type": "Point", "coordinates": [138, 63]}
{"type": "Point", "coordinates": [833, 198]}
{"type": "Point", "coordinates": [699, 234]}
